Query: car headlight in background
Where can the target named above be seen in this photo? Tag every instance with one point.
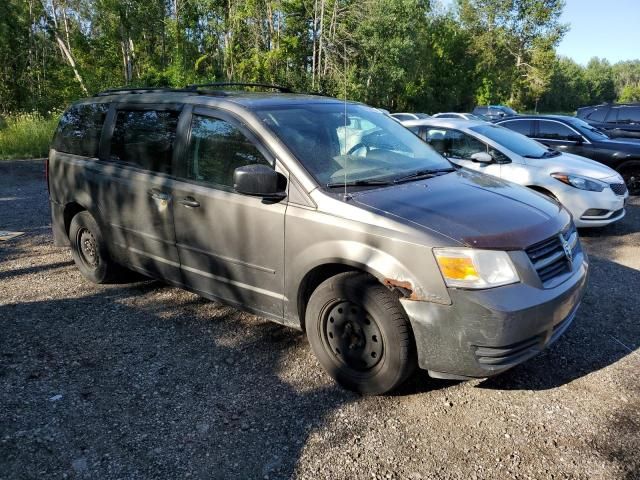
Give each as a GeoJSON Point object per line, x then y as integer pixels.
{"type": "Point", "coordinates": [471, 268]}
{"type": "Point", "coordinates": [583, 183]}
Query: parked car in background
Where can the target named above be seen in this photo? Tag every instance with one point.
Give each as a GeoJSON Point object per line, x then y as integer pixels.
{"type": "Point", "coordinates": [593, 193]}
{"type": "Point", "coordinates": [409, 116]}
{"type": "Point", "coordinates": [494, 112]}
{"type": "Point", "coordinates": [381, 251]}
{"type": "Point", "coordinates": [464, 116]}
{"type": "Point", "coordinates": [617, 119]}
{"type": "Point", "coordinates": [570, 134]}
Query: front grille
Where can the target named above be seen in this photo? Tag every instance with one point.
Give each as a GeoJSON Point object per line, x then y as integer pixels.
{"type": "Point", "coordinates": [549, 258]}
{"type": "Point", "coordinates": [618, 188]}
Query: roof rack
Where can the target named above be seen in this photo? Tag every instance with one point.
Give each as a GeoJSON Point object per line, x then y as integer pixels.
{"type": "Point", "coordinates": [196, 86]}
{"type": "Point", "coordinates": [126, 90]}
{"type": "Point", "coordinates": [192, 88]}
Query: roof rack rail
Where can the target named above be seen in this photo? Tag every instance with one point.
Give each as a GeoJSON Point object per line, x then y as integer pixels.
{"type": "Point", "coordinates": [196, 86]}
{"type": "Point", "coordinates": [125, 90]}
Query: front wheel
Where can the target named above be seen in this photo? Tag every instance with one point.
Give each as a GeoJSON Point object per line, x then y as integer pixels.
{"type": "Point", "coordinates": [631, 176]}
{"type": "Point", "coordinates": [360, 333]}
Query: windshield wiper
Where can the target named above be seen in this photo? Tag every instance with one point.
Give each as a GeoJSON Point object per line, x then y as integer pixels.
{"type": "Point", "coordinates": [423, 174]}
{"type": "Point", "coordinates": [358, 183]}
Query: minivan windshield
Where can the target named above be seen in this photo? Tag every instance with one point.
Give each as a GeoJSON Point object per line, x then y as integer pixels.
{"type": "Point", "coordinates": [353, 143]}
{"type": "Point", "coordinates": [516, 142]}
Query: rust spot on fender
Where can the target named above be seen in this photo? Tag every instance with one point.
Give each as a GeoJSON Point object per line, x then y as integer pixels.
{"type": "Point", "coordinates": [402, 286]}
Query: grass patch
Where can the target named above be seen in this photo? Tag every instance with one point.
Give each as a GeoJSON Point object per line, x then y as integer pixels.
{"type": "Point", "coordinates": [26, 135]}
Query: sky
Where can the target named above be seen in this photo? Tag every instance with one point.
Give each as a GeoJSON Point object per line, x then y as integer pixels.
{"type": "Point", "coordinates": [601, 28]}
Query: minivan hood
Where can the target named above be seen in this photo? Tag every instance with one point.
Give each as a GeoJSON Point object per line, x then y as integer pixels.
{"type": "Point", "coordinates": [475, 209]}
{"type": "Point", "coordinates": [570, 163]}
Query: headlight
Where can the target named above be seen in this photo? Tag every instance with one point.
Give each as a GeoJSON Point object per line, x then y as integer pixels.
{"type": "Point", "coordinates": [471, 268]}
{"type": "Point", "coordinates": [583, 183]}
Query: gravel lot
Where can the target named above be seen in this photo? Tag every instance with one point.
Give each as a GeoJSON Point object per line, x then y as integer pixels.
{"type": "Point", "coordinates": [148, 381]}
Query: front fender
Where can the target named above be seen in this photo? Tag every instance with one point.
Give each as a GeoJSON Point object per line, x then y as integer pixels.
{"type": "Point", "coordinates": [405, 266]}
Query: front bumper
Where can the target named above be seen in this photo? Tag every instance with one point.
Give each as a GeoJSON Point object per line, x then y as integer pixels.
{"type": "Point", "coordinates": [485, 332]}
{"type": "Point", "coordinates": [579, 202]}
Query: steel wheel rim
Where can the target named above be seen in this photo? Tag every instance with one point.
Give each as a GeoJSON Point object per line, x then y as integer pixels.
{"type": "Point", "coordinates": [88, 248]}
{"type": "Point", "coordinates": [352, 336]}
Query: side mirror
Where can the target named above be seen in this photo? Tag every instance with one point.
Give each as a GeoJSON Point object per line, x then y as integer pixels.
{"type": "Point", "coordinates": [481, 157]}
{"type": "Point", "coordinates": [259, 181]}
{"type": "Point", "coordinates": [575, 138]}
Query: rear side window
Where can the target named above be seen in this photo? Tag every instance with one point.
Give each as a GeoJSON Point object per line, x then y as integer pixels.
{"type": "Point", "coordinates": [145, 138]}
{"type": "Point", "coordinates": [612, 116]}
{"type": "Point", "coordinates": [80, 128]}
{"type": "Point", "coordinates": [554, 131]}
{"type": "Point", "coordinates": [598, 115]}
{"type": "Point", "coordinates": [520, 126]}
{"type": "Point", "coordinates": [216, 149]}
{"type": "Point", "coordinates": [629, 115]}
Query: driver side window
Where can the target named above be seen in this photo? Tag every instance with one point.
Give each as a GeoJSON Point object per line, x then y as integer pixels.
{"type": "Point", "coordinates": [451, 143]}
{"type": "Point", "coordinates": [216, 149]}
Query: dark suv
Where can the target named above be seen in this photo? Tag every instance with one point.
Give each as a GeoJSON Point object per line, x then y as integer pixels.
{"type": "Point", "coordinates": [320, 214]}
{"type": "Point", "coordinates": [617, 119]}
{"type": "Point", "coordinates": [570, 134]}
{"type": "Point", "coordinates": [494, 112]}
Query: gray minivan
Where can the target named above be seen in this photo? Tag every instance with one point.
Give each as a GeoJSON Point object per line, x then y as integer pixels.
{"type": "Point", "coordinates": [323, 215]}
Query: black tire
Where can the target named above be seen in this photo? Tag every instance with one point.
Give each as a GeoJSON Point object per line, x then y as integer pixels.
{"type": "Point", "coordinates": [353, 311]}
{"type": "Point", "coordinates": [631, 176]}
{"type": "Point", "coordinates": [89, 250]}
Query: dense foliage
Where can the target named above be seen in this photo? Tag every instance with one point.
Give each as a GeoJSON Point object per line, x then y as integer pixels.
{"type": "Point", "coordinates": [397, 54]}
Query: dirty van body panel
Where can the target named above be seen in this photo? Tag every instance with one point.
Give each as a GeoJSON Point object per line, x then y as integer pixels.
{"type": "Point", "coordinates": [474, 209]}
{"type": "Point", "coordinates": [136, 205]}
{"type": "Point", "coordinates": [231, 246]}
{"type": "Point", "coordinates": [345, 234]}
{"type": "Point", "coordinates": [138, 226]}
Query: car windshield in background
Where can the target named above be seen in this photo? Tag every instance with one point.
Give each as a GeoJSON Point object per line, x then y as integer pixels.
{"type": "Point", "coordinates": [589, 131]}
{"type": "Point", "coordinates": [513, 141]}
{"type": "Point", "coordinates": [509, 111]}
{"type": "Point", "coordinates": [365, 146]}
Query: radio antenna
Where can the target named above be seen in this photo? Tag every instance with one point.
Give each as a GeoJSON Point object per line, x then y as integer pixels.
{"type": "Point", "coordinates": [346, 150]}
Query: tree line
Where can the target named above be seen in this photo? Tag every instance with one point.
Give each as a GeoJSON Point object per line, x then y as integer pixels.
{"type": "Point", "coordinates": [414, 55]}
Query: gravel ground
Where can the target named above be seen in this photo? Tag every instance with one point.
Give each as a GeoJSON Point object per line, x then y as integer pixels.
{"type": "Point", "coordinates": [148, 381]}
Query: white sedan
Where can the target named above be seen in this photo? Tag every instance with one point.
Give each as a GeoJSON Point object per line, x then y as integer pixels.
{"type": "Point", "coordinates": [591, 191]}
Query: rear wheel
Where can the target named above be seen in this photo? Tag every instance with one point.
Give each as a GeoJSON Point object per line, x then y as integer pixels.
{"type": "Point", "coordinates": [360, 333]}
{"type": "Point", "coordinates": [89, 251]}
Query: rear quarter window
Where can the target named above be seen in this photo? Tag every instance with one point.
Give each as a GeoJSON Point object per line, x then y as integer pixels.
{"type": "Point", "coordinates": [520, 126]}
{"type": "Point", "coordinates": [598, 115]}
{"type": "Point", "coordinates": [80, 128]}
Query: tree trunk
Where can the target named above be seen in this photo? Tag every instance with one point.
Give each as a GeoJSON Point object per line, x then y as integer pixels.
{"type": "Point", "coordinates": [66, 52]}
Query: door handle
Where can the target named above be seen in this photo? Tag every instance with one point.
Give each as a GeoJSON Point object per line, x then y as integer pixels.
{"type": "Point", "coordinates": [189, 202]}
{"type": "Point", "coordinates": [158, 195]}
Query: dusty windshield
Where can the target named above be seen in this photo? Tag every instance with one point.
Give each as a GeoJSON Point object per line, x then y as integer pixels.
{"type": "Point", "coordinates": [363, 145]}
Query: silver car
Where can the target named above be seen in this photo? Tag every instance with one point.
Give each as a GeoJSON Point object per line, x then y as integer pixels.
{"type": "Point", "coordinates": [322, 215]}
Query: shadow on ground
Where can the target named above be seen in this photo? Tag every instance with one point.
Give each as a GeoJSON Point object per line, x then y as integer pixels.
{"type": "Point", "coordinates": [149, 394]}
